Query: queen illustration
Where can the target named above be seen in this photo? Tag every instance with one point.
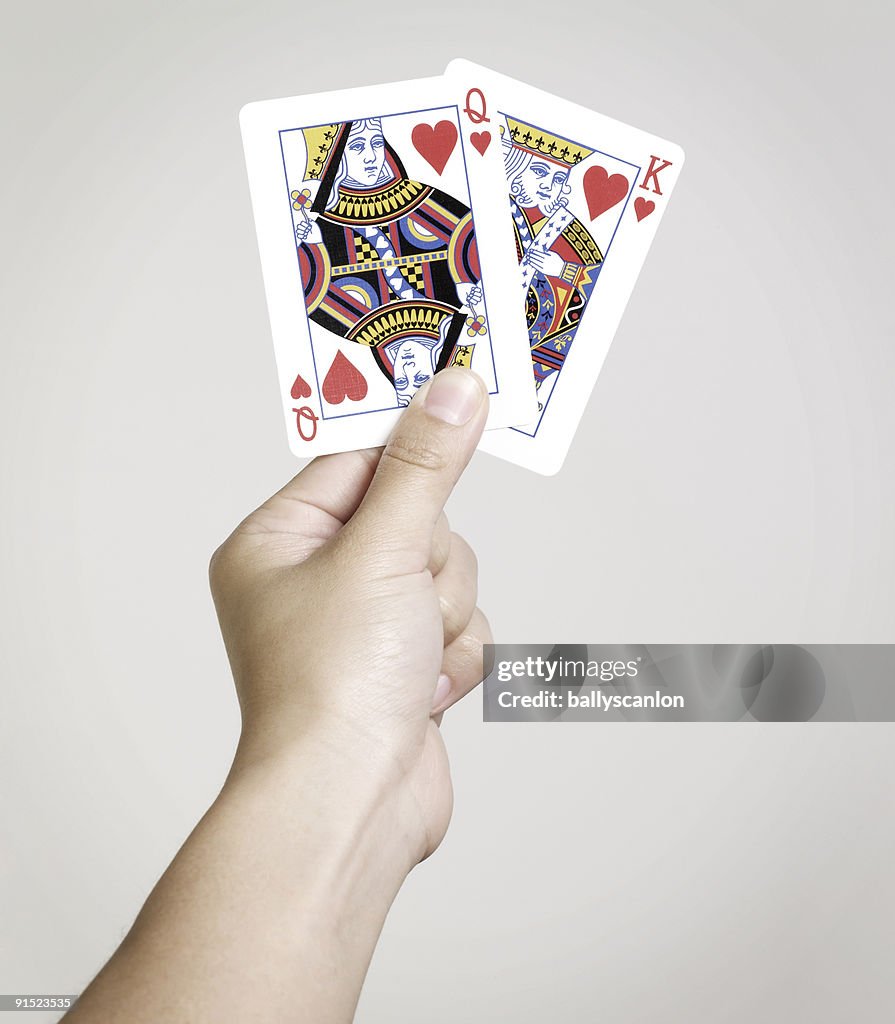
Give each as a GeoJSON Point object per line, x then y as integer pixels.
{"type": "Point", "coordinates": [558, 257]}
{"type": "Point", "coordinates": [386, 261]}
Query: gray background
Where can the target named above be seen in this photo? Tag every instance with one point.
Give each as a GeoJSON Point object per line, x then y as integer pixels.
{"type": "Point", "coordinates": [731, 482]}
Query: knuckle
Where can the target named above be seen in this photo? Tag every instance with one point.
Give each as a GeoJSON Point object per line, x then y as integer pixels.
{"type": "Point", "coordinates": [488, 653]}
{"type": "Point", "coordinates": [467, 650]}
{"type": "Point", "coordinates": [221, 565]}
{"type": "Point", "coordinates": [476, 633]}
{"type": "Point", "coordinates": [441, 545]}
{"type": "Point", "coordinates": [457, 607]}
{"type": "Point", "coordinates": [462, 547]}
{"type": "Point", "coordinates": [451, 615]}
{"type": "Point", "coordinates": [483, 627]}
{"type": "Point", "coordinates": [215, 564]}
{"type": "Point", "coordinates": [417, 451]}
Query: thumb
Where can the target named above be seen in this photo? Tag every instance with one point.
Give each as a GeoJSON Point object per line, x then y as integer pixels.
{"type": "Point", "coordinates": [422, 461]}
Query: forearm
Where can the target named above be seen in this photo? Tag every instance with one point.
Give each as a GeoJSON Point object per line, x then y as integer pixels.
{"type": "Point", "coordinates": [272, 907]}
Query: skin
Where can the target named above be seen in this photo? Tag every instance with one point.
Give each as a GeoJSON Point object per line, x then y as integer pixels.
{"type": "Point", "coordinates": [340, 782]}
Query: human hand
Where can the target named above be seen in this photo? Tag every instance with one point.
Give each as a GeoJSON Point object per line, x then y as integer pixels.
{"type": "Point", "coordinates": [342, 600]}
{"type": "Point", "coordinates": [348, 608]}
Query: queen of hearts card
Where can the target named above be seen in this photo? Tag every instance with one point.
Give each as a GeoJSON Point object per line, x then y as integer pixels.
{"type": "Point", "coordinates": [378, 241]}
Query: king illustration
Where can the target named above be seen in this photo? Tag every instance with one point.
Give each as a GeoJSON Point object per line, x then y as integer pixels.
{"type": "Point", "coordinates": [558, 257]}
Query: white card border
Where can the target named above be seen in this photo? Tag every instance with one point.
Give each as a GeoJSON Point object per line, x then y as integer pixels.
{"type": "Point", "coordinates": [261, 122]}
{"type": "Point", "coordinates": [546, 452]}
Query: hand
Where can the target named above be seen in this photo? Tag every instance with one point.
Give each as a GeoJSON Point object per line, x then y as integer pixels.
{"type": "Point", "coordinates": [303, 229]}
{"type": "Point", "coordinates": [348, 608]}
{"type": "Point", "coordinates": [545, 262]}
{"type": "Point", "coordinates": [348, 612]}
{"type": "Point", "coordinates": [469, 294]}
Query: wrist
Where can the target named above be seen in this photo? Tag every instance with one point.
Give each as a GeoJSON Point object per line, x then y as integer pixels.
{"type": "Point", "coordinates": [368, 821]}
{"type": "Point", "coordinates": [279, 895]}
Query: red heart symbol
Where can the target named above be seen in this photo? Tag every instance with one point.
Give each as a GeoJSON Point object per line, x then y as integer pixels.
{"type": "Point", "coordinates": [643, 207]}
{"type": "Point", "coordinates": [481, 141]}
{"type": "Point", "coordinates": [602, 192]}
{"type": "Point", "coordinates": [300, 388]}
{"type": "Point", "coordinates": [343, 380]}
{"type": "Point", "coordinates": [435, 145]}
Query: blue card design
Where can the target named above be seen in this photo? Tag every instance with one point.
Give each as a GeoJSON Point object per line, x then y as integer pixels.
{"type": "Point", "coordinates": [382, 265]}
{"type": "Point", "coordinates": [585, 195]}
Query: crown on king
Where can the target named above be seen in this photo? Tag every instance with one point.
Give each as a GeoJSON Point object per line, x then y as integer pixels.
{"type": "Point", "coordinates": [540, 143]}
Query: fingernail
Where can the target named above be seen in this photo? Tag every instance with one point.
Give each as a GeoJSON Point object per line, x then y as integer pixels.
{"type": "Point", "coordinates": [454, 396]}
{"type": "Point", "coordinates": [442, 692]}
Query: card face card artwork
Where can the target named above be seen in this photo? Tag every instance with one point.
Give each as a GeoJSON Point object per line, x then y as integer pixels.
{"type": "Point", "coordinates": [381, 262]}
{"type": "Point", "coordinates": [585, 195]}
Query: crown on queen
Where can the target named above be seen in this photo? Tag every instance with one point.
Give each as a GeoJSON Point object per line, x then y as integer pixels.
{"type": "Point", "coordinates": [319, 141]}
{"type": "Point", "coordinates": [419, 318]}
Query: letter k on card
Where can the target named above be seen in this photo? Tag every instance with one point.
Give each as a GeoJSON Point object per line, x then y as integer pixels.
{"type": "Point", "coordinates": [584, 195]}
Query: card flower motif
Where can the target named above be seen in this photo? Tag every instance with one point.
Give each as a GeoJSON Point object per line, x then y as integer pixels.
{"type": "Point", "coordinates": [475, 325]}
{"type": "Point", "coordinates": [395, 245]}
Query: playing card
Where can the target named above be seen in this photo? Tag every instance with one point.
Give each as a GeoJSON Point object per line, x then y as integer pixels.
{"type": "Point", "coordinates": [381, 262]}
{"type": "Point", "coordinates": [585, 195]}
